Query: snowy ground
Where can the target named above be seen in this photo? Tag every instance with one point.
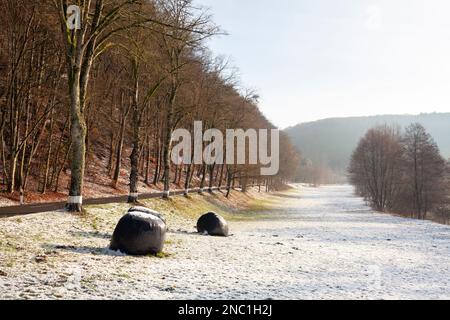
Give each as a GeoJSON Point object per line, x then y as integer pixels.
{"type": "Point", "coordinates": [313, 244]}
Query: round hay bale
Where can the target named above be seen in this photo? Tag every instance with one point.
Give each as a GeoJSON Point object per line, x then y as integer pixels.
{"type": "Point", "coordinates": [140, 232]}
{"type": "Point", "coordinates": [148, 211]}
{"type": "Point", "coordinates": [213, 224]}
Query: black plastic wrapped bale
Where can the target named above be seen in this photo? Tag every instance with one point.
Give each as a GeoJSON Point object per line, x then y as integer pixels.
{"type": "Point", "coordinates": [148, 211]}
{"type": "Point", "coordinates": [140, 232]}
{"type": "Point", "coordinates": [213, 225]}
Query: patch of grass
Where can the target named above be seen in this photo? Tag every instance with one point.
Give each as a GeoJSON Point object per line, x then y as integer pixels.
{"type": "Point", "coordinates": [172, 242]}
{"type": "Point", "coordinates": [38, 237]}
{"type": "Point", "coordinates": [10, 262]}
{"type": "Point", "coordinates": [93, 221]}
{"type": "Point", "coordinates": [7, 246]}
{"type": "Point", "coordinates": [100, 206]}
{"type": "Point", "coordinates": [249, 216]}
{"type": "Point", "coordinates": [239, 207]}
{"type": "Point", "coordinates": [161, 255]}
{"type": "Point", "coordinates": [122, 275]}
{"type": "Point", "coordinates": [94, 224]}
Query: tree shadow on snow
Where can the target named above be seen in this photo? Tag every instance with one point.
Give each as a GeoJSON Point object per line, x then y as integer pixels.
{"type": "Point", "coordinates": [83, 250]}
{"type": "Point", "coordinates": [90, 234]}
{"type": "Point", "coordinates": [288, 196]}
{"type": "Point", "coordinates": [184, 232]}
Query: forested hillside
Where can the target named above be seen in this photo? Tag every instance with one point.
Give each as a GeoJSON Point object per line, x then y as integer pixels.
{"type": "Point", "coordinates": [92, 111]}
{"type": "Point", "coordinates": [330, 142]}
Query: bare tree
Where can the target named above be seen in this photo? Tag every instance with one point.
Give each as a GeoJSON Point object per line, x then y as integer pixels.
{"type": "Point", "coordinates": [425, 172]}
{"type": "Point", "coordinates": [191, 26]}
{"type": "Point", "coordinates": [375, 167]}
{"type": "Point", "coordinates": [101, 20]}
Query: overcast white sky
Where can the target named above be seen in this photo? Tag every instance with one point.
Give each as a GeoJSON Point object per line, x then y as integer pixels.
{"type": "Point", "coordinates": [314, 59]}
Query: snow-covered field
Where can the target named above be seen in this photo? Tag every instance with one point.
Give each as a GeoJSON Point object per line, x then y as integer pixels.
{"type": "Point", "coordinates": [313, 244]}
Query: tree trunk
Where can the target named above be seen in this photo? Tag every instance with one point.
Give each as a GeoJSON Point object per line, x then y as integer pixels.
{"type": "Point", "coordinates": [49, 152]}
{"type": "Point", "coordinates": [187, 182]}
{"type": "Point", "coordinates": [202, 182]}
{"type": "Point", "coordinates": [12, 172]}
{"type": "Point", "coordinates": [211, 177]}
{"type": "Point", "coordinates": [58, 174]}
{"type": "Point", "coordinates": [119, 154]}
{"type": "Point", "coordinates": [134, 175]}
{"type": "Point", "coordinates": [221, 176]}
{"type": "Point", "coordinates": [78, 138]}
{"type": "Point", "coordinates": [157, 165]}
{"type": "Point", "coordinates": [168, 140]}
{"type": "Point", "coordinates": [147, 160]}
{"type": "Point", "coordinates": [229, 182]}
{"type": "Point", "coordinates": [180, 174]}
{"type": "Point", "coordinates": [175, 179]}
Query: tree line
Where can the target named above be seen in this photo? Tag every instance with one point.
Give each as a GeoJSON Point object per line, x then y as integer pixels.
{"type": "Point", "coordinates": [401, 172]}
{"type": "Point", "coordinates": [109, 96]}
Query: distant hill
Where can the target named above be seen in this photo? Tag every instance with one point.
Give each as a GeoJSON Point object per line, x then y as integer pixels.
{"type": "Point", "coordinates": [330, 142]}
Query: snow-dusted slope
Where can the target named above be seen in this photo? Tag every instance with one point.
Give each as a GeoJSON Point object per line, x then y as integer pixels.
{"type": "Point", "coordinates": [316, 244]}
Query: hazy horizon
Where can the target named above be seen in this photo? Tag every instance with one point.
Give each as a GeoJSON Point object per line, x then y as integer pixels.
{"type": "Point", "coordinates": [369, 116]}
{"type": "Point", "coordinates": [320, 59]}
